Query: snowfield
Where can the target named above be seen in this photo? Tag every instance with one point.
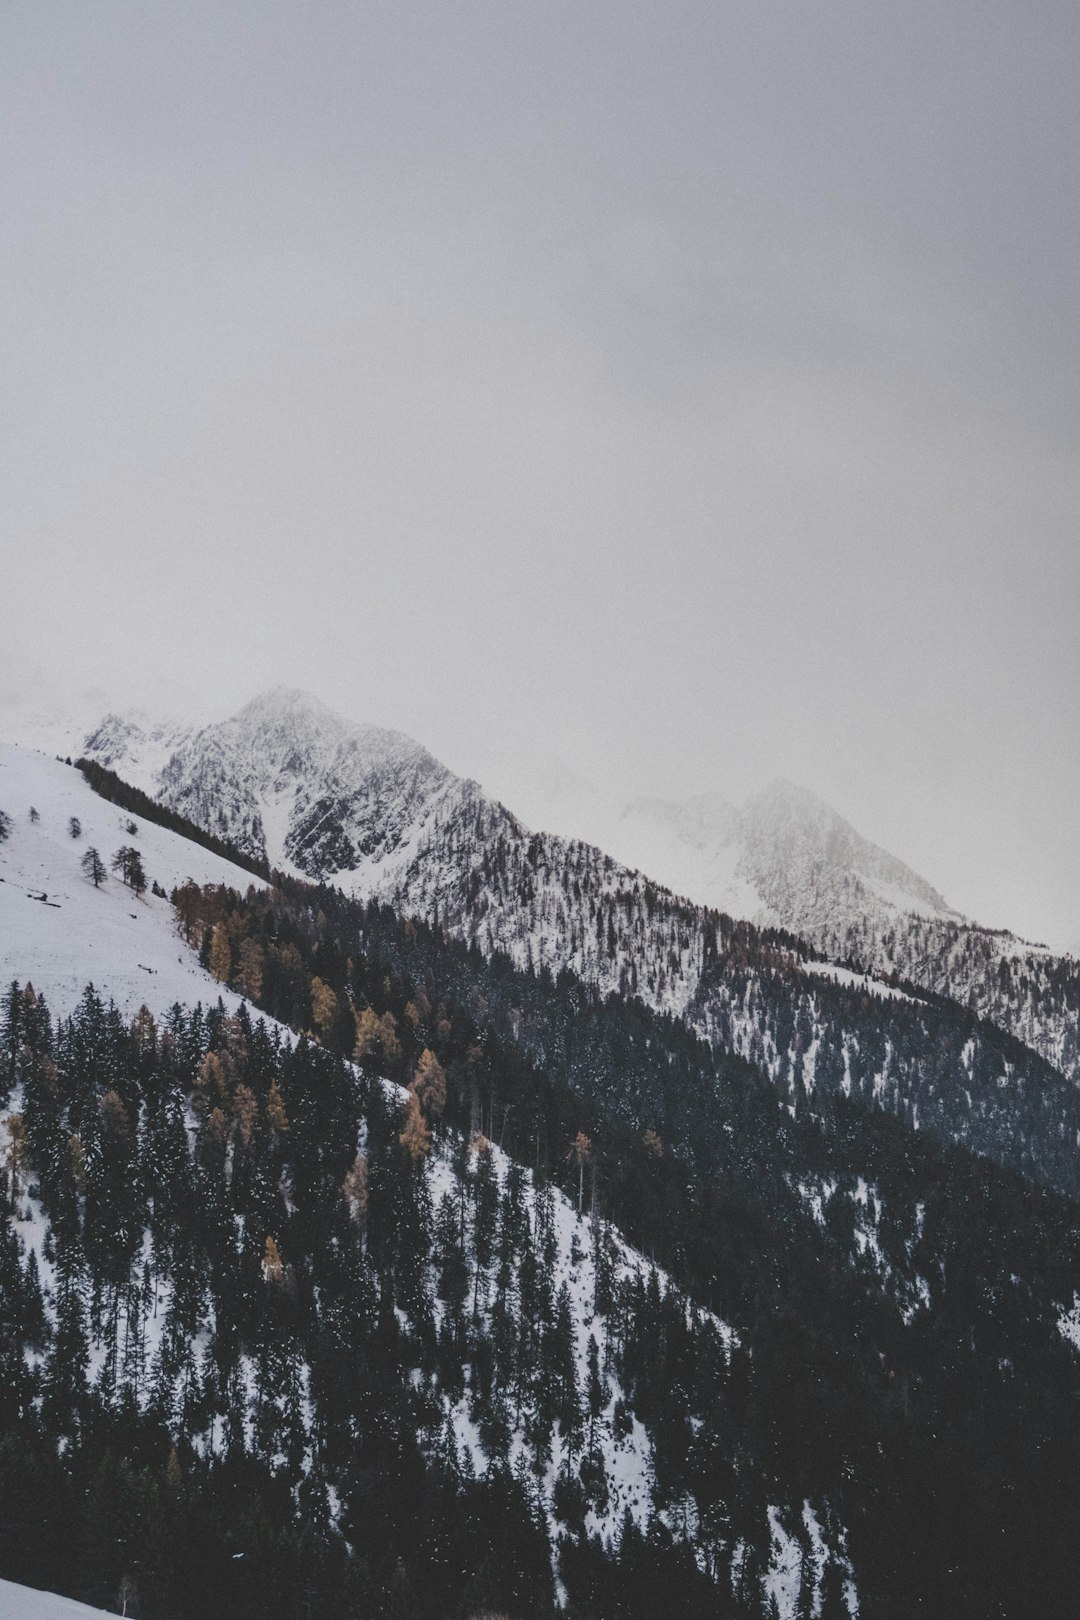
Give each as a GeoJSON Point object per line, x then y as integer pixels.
{"type": "Point", "coordinates": [24, 1603]}
{"type": "Point", "coordinates": [58, 931]}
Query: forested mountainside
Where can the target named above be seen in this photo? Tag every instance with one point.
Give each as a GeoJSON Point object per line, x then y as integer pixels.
{"type": "Point", "coordinates": [548, 904]}
{"type": "Point", "coordinates": [285, 1328]}
{"type": "Point", "coordinates": [552, 905]}
{"type": "Point", "coordinates": [281, 1339]}
{"type": "Point", "coordinates": [787, 860]}
{"type": "Point", "coordinates": [291, 784]}
{"type": "Point", "coordinates": [1023, 988]}
{"type": "Point", "coordinates": [232, 1275]}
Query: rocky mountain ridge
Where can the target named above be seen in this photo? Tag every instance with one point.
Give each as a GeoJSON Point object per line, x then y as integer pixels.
{"type": "Point", "coordinates": [288, 780]}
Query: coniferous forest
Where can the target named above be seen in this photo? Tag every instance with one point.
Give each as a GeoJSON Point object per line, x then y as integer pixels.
{"type": "Point", "coordinates": [346, 1322]}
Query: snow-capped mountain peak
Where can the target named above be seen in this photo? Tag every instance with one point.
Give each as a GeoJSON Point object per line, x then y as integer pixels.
{"type": "Point", "coordinates": [803, 856]}
{"type": "Point", "coordinates": [289, 781]}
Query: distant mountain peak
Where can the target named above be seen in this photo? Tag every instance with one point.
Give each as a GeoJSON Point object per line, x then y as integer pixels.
{"type": "Point", "coordinates": [281, 700]}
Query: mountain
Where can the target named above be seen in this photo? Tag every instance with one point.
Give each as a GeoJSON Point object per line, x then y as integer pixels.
{"type": "Point", "coordinates": [656, 1322]}
{"type": "Point", "coordinates": [786, 859]}
{"type": "Point", "coordinates": [289, 781]}
{"type": "Point", "coordinates": [142, 1332]}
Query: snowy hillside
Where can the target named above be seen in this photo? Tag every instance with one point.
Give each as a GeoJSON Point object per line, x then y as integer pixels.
{"type": "Point", "coordinates": [24, 1603]}
{"type": "Point", "coordinates": [60, 931]}
{"type": "Point", "coordinates": [784, 858]}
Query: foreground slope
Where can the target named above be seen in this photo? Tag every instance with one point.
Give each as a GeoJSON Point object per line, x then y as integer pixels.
{"type": "Point", "coordinates": [25, 1603]}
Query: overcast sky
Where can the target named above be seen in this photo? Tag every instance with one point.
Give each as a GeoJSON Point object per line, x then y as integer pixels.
{"type": "Point", "coordinates": [689, 392]}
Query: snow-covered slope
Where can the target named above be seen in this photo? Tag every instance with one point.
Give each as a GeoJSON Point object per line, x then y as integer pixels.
{"type": "Point", "coordinates": [785, 859]}
{"type": "Point", "coordinates": [58, 930]}
{"type": "Point", "coordinates": [24, 1603]}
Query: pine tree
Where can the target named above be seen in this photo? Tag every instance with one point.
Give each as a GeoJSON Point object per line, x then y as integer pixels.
{"type": "Point", "coordinates": [273, 1268]}
{"type": "Point", "coordinates": [276, 1117]}
{"type": "Point", "coordinates": [65, 1368]}
{"type": "Point", "coordinates": [93, 867]}
{"type": "Point", "coordinates": [367, 1033]}
{"type": "Point", "coordinates": [190, 905]}
{"type": "Point", "coordinates": [17, 1153]}
{"type": "Point", "coordinates": [581, 1152]}
{"type": "Point", "coordinates": [11, 1018]}
{"type": "Point", "coordinates": [597, 1389]}
{"type": "Point", "coordinates": [75, 827]}
{"type": "Point", "coordinates": [128, 863]}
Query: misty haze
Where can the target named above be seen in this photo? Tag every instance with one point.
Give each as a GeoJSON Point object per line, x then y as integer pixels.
{"type": "Point", "coordinates": [539, 863]}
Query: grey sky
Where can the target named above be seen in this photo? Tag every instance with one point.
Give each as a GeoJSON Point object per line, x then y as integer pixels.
{"type": "Point", "coordinates": [690, 393]}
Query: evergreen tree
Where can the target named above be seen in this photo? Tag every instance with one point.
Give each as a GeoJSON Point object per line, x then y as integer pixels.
{"type": "Point", "coordinates": [11, 1010]}
{"type": "Point", "coordinates": [128, 863]}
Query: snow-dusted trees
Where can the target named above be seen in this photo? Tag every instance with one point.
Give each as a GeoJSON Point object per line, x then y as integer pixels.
{"type": "Point", "coordinates": [75, 827]}
{"type": "Point", "coordinates": [93, 867]}
{"type": "Point", "coordinates": [429, 1085]}
{"type": "Point", "coordinates": [580, 1153]}
{"type": "Point", "coordinates": [5, 825]}
{"type": "Point", "coordinates": [249, 975]}
{"type": "Point", "coordinates": [416, 1134]}
{"type": "Point", "coordinates": [128, 863]}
